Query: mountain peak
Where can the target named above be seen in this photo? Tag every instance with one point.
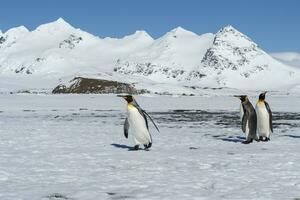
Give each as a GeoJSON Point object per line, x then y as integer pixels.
{"type": "Point", "coordinates": [61, 21]}
{"type": "Point", "coordinates": [229, 32]}
{"type": "Point", "coordinates": [17, 31]}
{"type": "Point", "coordinates": [59, 24]}
{"type": "Point", "coordinates": [230, 35]}
{"type": "Point", "coordinates": [228, 28]}
{"type": "Point", "coordinates": [142, 33]}
{"type": "Point", "coordinates": [138, 35]}
{"type": "Point", "coordinates": [180, 31]}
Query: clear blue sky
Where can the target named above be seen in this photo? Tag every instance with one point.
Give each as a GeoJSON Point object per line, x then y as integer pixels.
{"type": "Point", "coordinates": [273, 24]}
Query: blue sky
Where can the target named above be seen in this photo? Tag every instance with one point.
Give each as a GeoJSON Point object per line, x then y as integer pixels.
{"type": "Point", "coordinates": [274, 25]}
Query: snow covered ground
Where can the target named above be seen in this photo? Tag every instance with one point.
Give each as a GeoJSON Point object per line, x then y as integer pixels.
{"type": "Point", "coordinates": [62, 147]}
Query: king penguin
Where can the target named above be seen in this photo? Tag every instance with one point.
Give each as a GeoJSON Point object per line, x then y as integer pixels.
{"type": "Point", "coordinates": [264, 118]}
{"type": "Point", "coordinates": [249, 119]}
{"type": "Point", "coordinates": [137, 121]}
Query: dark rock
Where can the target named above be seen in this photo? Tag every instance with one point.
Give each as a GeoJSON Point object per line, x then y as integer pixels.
{"type": "Point", "coordinates": [148, 69]}
{"type": "Point", "coordinates": [19, 70]}
{"type": "Point", "coordinates": [23, 70]}
{"type": "Point", "coordinates": [81, 85]}
{"type": "Point", "coordinates": [57, 196]}
{"type": "Point", "coordinates": [70, 42]}
{"type": "Point", "coordinates": [2, 40]}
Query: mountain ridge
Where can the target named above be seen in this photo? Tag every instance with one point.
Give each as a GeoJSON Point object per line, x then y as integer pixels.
{"type": "Point", "coordinates": [180, 57]}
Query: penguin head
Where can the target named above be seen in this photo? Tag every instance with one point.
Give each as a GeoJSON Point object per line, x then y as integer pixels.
{"type": "Point", "coordinates": [262, 96]}
{"type": "Point", "coordinates": [128, 98]}
{"type": "Point", "coordinates": [243, 98]}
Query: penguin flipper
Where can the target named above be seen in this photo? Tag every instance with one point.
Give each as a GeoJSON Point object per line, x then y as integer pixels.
{"type": "Point", "coordinates": [126, 128]}
{"type": "Point", "coordinates": [270, 116]}
{"type": "Point", "coordinates": [145, 115]}
{"type": "Point", "coordinates": [244, 121]}
{"type": "Point", "coordinates": [150, 119]}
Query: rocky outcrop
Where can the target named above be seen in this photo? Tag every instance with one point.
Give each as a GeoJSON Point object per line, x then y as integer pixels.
{"type": "Point", "coordinates": [80, 85]}
{"type": "Point", "coordinates": [2, 39]}
{"type": "Point", "coordinates": [234, 51]}
{"type": "Point", "coordinates": [149, 69]}
{"type": "Point", "coordinates": [70, 42]}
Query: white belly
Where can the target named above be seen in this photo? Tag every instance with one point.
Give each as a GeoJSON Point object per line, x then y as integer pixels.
{"type": "Point", "coordinates": [241, 111]}
{"type": "Point", "coordinates": [263, 123]}
{"type": "Point", "coordinates": [137, 126]}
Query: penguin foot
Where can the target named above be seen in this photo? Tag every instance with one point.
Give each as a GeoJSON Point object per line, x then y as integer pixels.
{"type": "Point", "coordinates": [248, 141]}
{"type": "Point", "coordinates": [264, 139]}
{"type": "Point", "coordinates": [135, 148]}
{"type": "Point", "coordinates": [147, 146]}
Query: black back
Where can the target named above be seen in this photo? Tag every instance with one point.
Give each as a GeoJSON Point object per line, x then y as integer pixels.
{"type": "Point", "coordinates": [250, 117]}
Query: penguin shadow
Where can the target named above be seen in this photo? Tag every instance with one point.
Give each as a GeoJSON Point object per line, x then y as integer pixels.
{"type": "Point", "coordinates": [292, 136]}
{"type": "Point", "coordinates": [115, 196]}
{"type": "Point", "coordinates": [121, 146]}
{"type": "Point", "coordinates": [57, 196]}
{"type": "Point", "coordinates": [235, 139]}
{"type": "Point", "coordinates": [129, 148]}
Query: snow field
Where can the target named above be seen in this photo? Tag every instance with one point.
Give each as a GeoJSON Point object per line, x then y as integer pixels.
{"type": "Point", "coordinates": [72, 147]}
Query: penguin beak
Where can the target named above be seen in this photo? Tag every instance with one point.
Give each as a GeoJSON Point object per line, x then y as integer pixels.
{"type": "Point", "coordinates": [122, 96]}
{"type": "Point", "coordinates": [237, 96]}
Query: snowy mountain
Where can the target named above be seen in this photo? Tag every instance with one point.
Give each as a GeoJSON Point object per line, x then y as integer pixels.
{"type": "Point", "coordinates": [173, 57]}
{"type": "Point", "coordinates": [178, 60]}
{"type": "Point", "coordinates": [235, 61]}
{"type": "Point", "coordinates": [226, 59]}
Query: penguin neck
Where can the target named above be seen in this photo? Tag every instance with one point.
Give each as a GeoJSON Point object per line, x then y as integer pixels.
{"type": "Point", "coordinates": [245, 102]}
{"type": "Point", "coordinates": [130, 105]}
{"type": "Point", "coordinates": [261, 101]}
